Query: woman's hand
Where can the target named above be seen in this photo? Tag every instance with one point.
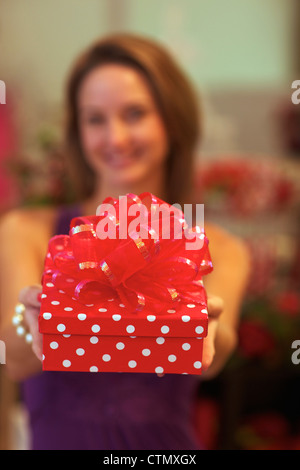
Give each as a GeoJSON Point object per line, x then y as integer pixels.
{"type": "Point", "coordinates": [30, 298]}
{"type": "Point", "coordinates": [215, 308]}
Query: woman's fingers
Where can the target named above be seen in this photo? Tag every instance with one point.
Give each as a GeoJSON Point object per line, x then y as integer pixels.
{"type": "Point", "coordinates": [209, 345]}
{"type": "Point", "coordinates": [31, 318]}
{"type": "Point", "coordinates": [215, 305]}
{"type": "Point", "coordinates": [29, 296]}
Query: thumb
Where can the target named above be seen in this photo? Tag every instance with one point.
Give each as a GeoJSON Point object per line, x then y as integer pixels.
{"type": "Point", "coordinates": [215, 305]}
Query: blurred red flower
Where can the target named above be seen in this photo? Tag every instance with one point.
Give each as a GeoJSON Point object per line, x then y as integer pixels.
{"type": "Point", "coordinates": [244, 186]}
{"type": "Point", "coordinates": [269, 425]}
{"type": "Point", "coordinates": [255, 340]}
{"type": "Point", "coordinates": [288, 302]}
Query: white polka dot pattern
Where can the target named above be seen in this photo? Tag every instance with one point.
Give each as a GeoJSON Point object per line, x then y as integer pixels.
{"type": "Point", "coordinates": [105, 337]}
{"type": "Point", "coordinates": [92, 354]}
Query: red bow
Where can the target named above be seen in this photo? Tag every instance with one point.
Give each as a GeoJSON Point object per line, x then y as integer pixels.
{"type": "Point", "coordinates": [149, 271]}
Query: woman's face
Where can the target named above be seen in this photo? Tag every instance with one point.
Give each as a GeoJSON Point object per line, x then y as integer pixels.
{"type": "Point", "coordinates": [123, 136]}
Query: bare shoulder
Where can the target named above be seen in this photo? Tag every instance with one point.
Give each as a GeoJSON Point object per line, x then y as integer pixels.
{"type": "Point", "coordinates": [28, 218]}
{"type": "Point", "coordinates": [231, 270]}
{"type": "Point", "coordinates": [218, 235]}
{"type": "Point", "coordinates": [225, 246]}
{"type": "Point", "coordinates": [34, 225]}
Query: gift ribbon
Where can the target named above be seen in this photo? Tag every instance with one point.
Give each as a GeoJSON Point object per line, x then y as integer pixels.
{"type": "Point", "coordinates": [148, 272]}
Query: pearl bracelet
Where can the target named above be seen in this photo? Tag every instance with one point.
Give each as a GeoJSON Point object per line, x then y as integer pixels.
{"type": "Point", "coordinates": [17, 320]}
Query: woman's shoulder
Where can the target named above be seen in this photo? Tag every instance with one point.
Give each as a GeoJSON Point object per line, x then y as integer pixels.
{"type": "Point", "coordinates": [224, 245]}
{"type": "Point", "coordinates": [218, 234]}
{"type": "Point", "coordinates": [34, 223]}
{"type": "Point", "coordinates": [30, 213]}
{"type": "Point", "coordinates": [31, 216]}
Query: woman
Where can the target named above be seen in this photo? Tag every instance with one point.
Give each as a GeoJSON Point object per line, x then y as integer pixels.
{"type": "Point", "coordinates": [132, 126]}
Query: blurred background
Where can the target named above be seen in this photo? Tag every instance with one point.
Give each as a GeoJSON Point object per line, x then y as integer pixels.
{"type": "Point", "coordinates": [242, 57]}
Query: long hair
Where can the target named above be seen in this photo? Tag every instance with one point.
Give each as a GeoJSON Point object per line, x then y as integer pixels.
{"type": "Point", "coordinates": [175, 97]}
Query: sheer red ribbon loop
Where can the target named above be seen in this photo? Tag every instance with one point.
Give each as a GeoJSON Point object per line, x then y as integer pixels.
{"type": "Point", "coordinates": [151, 271]}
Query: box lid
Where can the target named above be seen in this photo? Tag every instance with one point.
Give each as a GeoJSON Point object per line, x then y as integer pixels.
{"type": "Point", "coordinates": [62, 314]}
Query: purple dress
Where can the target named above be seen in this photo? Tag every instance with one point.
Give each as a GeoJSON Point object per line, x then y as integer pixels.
{"type": "Point", "coordinates": [109, 411]}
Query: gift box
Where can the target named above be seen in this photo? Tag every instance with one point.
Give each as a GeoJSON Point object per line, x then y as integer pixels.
{"type": "Point", "coordinates": [125, 303]}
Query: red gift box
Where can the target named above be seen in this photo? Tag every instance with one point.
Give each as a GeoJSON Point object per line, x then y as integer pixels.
{"type": "Point", "coordinates": [124, 304]}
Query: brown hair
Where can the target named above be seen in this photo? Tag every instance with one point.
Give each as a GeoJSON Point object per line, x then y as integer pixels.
{"type": "Point", "coordinates": [172, 90]}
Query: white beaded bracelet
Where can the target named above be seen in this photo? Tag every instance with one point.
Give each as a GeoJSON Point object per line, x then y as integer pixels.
{"type": "Point", "coordinates": [17, 320]}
